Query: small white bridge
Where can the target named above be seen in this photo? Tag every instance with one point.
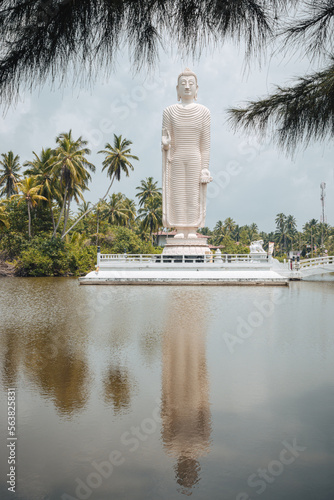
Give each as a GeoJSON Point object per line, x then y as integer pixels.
{"type": "Point", "coordinates": [308, 267]}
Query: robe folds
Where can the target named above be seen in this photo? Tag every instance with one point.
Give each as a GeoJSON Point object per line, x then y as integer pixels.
{"type": "Point", "coordinates": [184, 196]}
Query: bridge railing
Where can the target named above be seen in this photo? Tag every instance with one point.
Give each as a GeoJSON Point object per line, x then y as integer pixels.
{"type": "Point", "coordinates": [104, 259]}
{"type": "Point", "coordinates": [316, 261]}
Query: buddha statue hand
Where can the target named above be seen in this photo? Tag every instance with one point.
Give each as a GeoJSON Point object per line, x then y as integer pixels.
{"type": "Point", "coordinates": [205, 176]}
{"type": "Point", "coordinates": [165, 139]}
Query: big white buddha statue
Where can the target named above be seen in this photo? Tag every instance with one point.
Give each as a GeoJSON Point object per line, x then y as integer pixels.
{"type": "Point", "coordinates": [186, 153]}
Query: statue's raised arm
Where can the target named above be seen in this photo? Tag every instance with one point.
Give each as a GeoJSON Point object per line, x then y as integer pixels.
{"type": "Point", "coordinates": [186, 155]}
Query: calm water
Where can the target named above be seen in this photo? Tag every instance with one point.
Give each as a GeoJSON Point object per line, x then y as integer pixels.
{"type": "Point", "coordinates": [151, 393]}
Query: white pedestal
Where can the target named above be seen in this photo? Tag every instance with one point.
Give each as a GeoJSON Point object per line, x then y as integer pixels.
{"type": "Point", "coordinates": [187, 246]}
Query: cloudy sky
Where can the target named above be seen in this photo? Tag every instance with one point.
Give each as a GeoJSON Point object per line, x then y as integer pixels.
{"type": "Point", "coordinates": [253, 181]}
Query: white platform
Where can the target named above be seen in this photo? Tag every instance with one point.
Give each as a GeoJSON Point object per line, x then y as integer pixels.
{"type": "Point", "coordinates": [186, 246]}
{"type": "Point", "coordinates": [183, 270]}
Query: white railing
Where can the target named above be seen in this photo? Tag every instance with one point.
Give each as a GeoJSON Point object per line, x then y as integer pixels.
{"type": "Point", "coordinates": [182, 259]}
{"type": "Point", "coordinates": [316, 261]}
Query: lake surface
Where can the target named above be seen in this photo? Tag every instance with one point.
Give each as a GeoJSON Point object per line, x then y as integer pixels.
{"type": "Point", "coordinates": [151, 393]}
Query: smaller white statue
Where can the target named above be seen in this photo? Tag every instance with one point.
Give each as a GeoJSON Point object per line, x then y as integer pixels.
{"type": "Point", "coordinates": [256, 247]}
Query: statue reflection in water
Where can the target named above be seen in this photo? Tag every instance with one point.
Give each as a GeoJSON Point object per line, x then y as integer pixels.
{"type": "Point", "coordinates": [185, 412]}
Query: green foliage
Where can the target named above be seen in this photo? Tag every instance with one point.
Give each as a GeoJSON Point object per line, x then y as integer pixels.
{"type": "Point", "coordinates": [244, 238]}
{"type": "Point", "coordinates": [114, 226]}
{"type": "Point", "coordinates": [82, 260]}
{"type": "Point", "coordinates": [17, 216]}
{"type": "Point", "coordinates": [9, 174]}
{"type": "Point", "coordinates": [13, 244]}
{"type": "Point", "coordinates": [231, 247]}
{"type": "Point", "coordinates": [69, 37]}
{"type": "Point", "coordinates": [54, 257]}
{"type": "Point", "coordinates": [302, 112]}
{"type": "Point", "coordinates": [122, 240]}
{"type": "Point", "coordinates": [205, 230]}
{"type": "Point", "coordinates": [32, 262]}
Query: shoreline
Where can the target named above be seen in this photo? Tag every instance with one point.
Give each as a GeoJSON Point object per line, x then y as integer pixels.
{"type": "Point", "coordinates": [6, 270]}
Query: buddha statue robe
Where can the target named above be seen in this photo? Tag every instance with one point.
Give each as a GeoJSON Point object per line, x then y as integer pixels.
{"type": "Point", "coordinates": [183, 185]}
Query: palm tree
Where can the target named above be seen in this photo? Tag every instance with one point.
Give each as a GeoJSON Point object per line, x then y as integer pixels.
{"type": "Point", "coordinates": [117, 160]}
{"type": "Point", "coordinates": [9, 174]}
{"type": "Point", "coordinates": [30, 196]}
{"type": "Point", "coordinates": [236, 232]}
{"type": "Point", "coordinates": [281, 230]}
{"type": "Point", "coordinates": [70, 166]}
{"type": "Point", "coordinates": [265, 238]}
{"type": "Point", "coordinates": [218, 233]}
{"type": "Point", "coordinates": [84, 208]}
{"type": "Point", "coordinates": [131, 210]}
{"type": "Point", "coordinates": [117, 211]}
{"type": "Point", "coordinates": [147, 190]}
{"type": "Point", "coordinates": [151, 215]}
{"type": "Point", "coordinates": [291, 228]}
{"type": "Point", "coordinates": [77, 239]}
{"type": "Point", "coordinates": [229, 225]}
{"type": "Point", "coordinates": [41, 169]}
{"type": "Point", "coordinates": [92, 32]}
{"type": "Point", "coordinates": [324, 230]}
{"type": "Point", "coordinates": [253, 231]}
{"type": "Point", "coordinates": [311, 231]}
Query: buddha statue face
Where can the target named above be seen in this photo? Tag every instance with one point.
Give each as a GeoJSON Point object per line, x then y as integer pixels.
{"type": "Point", "coordinates": [187, 87]}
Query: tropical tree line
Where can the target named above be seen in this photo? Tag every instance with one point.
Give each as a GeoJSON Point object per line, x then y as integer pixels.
{"type": "Point", "coordinates": [41, 234]}
{"type": "Point", "coordinates": [316, 238]}
{"type": "Point", "coordinates": [36, 205]}
{"type": "Point", "coordinates": [57, 177]}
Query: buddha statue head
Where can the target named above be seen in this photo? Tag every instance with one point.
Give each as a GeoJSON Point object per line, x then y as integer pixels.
{"type": "Point", "coordinates": [187, 87]}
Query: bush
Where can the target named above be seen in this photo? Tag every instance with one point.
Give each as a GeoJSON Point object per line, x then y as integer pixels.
{"type": "Point", "coordinates": [45, 257]}
{"type": "Point", "coordinates": [33, 263]}
{"type": "Point", "coordinates": [82, 260]}
{"type": "Point", "coordinates": [121, 240]}
{"type": "Point", "coordinates": [12, 244]}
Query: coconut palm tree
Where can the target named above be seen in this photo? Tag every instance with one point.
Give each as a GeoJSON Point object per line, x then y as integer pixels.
{"type": "Point", "coordinates": [84, 208]}
{"type": "Point", "coordinates": [236, 232]}
{"type": "Point", "coordinates": [311, 232]}
{"type": "Point", "coordinates": [253, 231]}
{"type": "Point", "coordinates": [41, 169]}
{"type": "Point", "coordinates": [77, 239]}
{"type": "Point", "coordinates": [116, 210]}
{"type": "Point", "coordinates": [219, 227]}
{"type": "Point", "coordinates": [30, 196]}
{"type": "Point", "coordinates": [219, 232]}
{"type": "Point", "coordinates": [9, 174]}
{"type": "Point", "coordinates": [117, 160]}
{"type": "Point", "coordinates": [291, 229]}
{"type": "Point", "coordinates": [70, 166]}
{"type": "Point", "coordinates": [324, 231]}
{"type": "Point", "coordinates": [147, 189]}
{"type": "Point", "coordinates": [229, 225]}
{"type": "Point", "coordinates": [130, 207]}
{"type": "Point", "coordinates": [151, 215]}
{"type": "Point", "coordinates": [281, 230]}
